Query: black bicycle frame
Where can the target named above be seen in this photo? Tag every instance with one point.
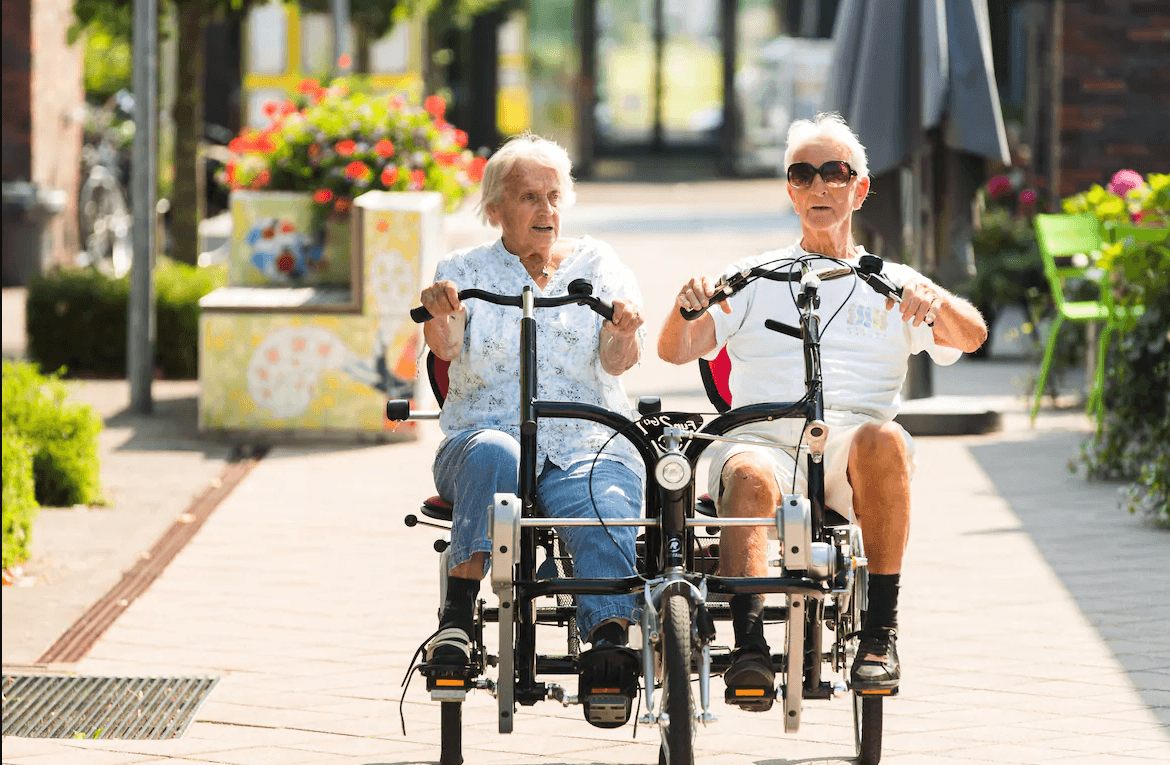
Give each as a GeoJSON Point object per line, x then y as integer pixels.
{"type": "Point", "coordinates": [668, 543]}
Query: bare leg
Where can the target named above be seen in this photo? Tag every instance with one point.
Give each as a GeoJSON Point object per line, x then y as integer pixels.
{"type": "Point", "coordinates": [749, 491]}
{"type": "Point", "coordinates": [473, 568]}
{"type": "Point", "coordinates": [880, 476]}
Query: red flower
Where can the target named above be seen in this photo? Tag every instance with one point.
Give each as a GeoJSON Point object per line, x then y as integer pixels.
{"type": "Point", "coordinates": [345, 148]}
{"type": "Point", "coordinates": [384, 148]}
{"type": "Point", "coordinates": [998, 185]}
{"type": "Point", "coordinates": [270, 109]}
{"type": "Point", "coordinates": [389, 176]}
{"type": "Point", "coordinates": [308, 86]}
{"type": "Point", "coordinates": [323, 196]}
{"type": "Point", "coordinates": [287, 108]}
{"type": "Point", "coordinates": [355, 170]}
{"type": "Point", "coordinates": [435, 106]}
{"type": "Point", "coordinates": [341, 205]}
{"type": "Point", "coordinates": [285, 262]}
{"type": "Point", "coordinates": [345, 61]}
{"type": "Point", "coordinates": [263, 143]}
{"type": "Point", "coordinates": [460, 139]}
{"type": "Point", "coordinates": [475, 169]}
{"type": "Point", "coordinates": [446, 158]}
{"type": "Point", "coordinates": [418, 179]}
{"type": "Point", "coordinates": [237, 145]}
{"type": "Point", "coordinates": [262, 179]}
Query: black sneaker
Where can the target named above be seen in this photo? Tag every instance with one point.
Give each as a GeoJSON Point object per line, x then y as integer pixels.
{"type": "Point", "coordinates": [751, 681]}
{"type": "Point", "coordinates": [450, 648]}
{"type": "Point", "coordinates": [876, 669]}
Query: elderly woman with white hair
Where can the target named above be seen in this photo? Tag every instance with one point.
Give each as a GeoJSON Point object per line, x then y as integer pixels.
{"type": "Point", "coordinates": [527, 185]}
{"type": "Point", "coordinates": [865, 348]}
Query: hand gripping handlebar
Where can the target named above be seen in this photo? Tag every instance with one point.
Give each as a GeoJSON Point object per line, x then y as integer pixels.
{"type": "Point", "coordinates": [868, 268]}
{"type": "Point", "coordinates": [580, 292]}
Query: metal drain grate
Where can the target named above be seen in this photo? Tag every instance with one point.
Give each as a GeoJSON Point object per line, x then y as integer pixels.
{"type": "Point", "coordinates": [47, 706]}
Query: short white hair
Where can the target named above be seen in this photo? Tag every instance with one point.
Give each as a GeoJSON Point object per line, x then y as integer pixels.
{"type": "Point", "coordinates": [827, 127]}
{"type": "Point", "coordinates": [532, 147]}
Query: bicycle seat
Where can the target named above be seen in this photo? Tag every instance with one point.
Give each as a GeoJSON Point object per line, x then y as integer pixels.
{"type": "Point", "coordinates": [436, 507]}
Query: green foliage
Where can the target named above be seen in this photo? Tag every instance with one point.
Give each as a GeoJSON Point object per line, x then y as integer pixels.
{"type": "Point", "coordinates": [20, 502]}
{"type": "Point", "coordinates": [107, 62]}
{"type": "Point", "coordinates": [77, 319]}
{"type": "Point", "coordinates": [1132, 441]}
{"type": "Point", "coordinates": [62, 437]}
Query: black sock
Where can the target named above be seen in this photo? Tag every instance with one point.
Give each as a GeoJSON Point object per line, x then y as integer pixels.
{"type": "Point", "coordinates": [883, 601]}
{"type": "Point", "coordinates": [459, 606]}
{"type": "Point", "coordinates": [748, 622]}
{"type": "Point", "coordinates": [614, 632]}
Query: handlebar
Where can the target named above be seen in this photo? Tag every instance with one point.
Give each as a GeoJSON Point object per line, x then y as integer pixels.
{"type": "Point", "coordinates": [868, 269]}
{"type": "Point", "coordinates": [580, 292]}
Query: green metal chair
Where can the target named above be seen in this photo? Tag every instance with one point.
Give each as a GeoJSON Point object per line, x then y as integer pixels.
{"type": "Point", "coordinates": [1063, 239]}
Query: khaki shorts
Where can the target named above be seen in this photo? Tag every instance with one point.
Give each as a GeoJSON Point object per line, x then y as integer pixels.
{"type": "Point", "coordinates": [777, 444]}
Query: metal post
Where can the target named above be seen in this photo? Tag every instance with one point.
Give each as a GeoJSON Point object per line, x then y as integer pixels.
{"type": "Point", "coordinates": [144, 191]}
{"type": "Point", "coordinates": [341, 37]}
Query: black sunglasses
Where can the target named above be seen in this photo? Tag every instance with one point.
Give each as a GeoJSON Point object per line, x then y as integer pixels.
{"type": "Point", "coordinates": [836, 173]}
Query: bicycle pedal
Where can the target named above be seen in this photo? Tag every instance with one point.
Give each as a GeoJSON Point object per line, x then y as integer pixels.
{"type": "Point", "coordinates": [448, 683]}
{"type": "Point", "coordinates": [607, 708]}
{"type": "Point", "coordinates": [751, 698]}
{"type": "Point", "coordinates": [608, 685]}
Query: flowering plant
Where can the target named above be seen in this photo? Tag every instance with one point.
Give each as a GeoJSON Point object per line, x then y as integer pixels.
{"type": "Point", "coordinates": [338, 142]}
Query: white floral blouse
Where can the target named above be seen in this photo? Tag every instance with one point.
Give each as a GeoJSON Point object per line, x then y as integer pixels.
{"type": "Point", "coordinates": [484, 388]}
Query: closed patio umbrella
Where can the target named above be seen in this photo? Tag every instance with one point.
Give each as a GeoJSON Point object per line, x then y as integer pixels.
{"type": "Point", "coordinates": [914, 79]}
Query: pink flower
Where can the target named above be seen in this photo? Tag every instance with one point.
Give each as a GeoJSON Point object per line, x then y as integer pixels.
{"type": "Point", "coordinates": [1027, 197]}
{"type": "Point", "coordinates": [1124, 180]}
{"type": "Point", "coordinates": [999, 185]}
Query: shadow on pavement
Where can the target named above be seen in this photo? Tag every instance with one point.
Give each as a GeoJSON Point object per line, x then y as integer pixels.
{"type": "Point", "coordinates": [1111, 562]}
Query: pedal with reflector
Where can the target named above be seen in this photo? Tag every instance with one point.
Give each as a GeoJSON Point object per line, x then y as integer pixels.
{"type": "Point", "coordinates": [876, 691]}
{"type": "Point", "coordinates": [751, 698]}
{"type": "Point", "coordinates": [448, 684]}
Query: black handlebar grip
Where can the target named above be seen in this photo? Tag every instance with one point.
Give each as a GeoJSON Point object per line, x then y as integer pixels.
{"type": "Point", "coordinates": [397, 409]}
{"type": "Point", "coordinates": [691, 315]}
{"type": "Point", "coordinates": [420, 315]}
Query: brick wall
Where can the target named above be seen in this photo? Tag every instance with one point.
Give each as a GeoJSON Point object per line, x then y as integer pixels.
{"type": "Point", "coordinates": [1115, 110]}
{"type": "Point", "coordinates": [17, 83]}
{"type": "Point", "coordinates": [58, 95]}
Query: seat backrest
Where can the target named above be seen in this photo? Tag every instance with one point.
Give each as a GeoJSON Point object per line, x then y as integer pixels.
{"type": "Point", "coordinates": [715, 374]}
{"type": "Point", "coordinates": [1119, 232]}
{"type": "Point", "coordinates": [437, 374]}
{"type": "Point", "coordinates": [1060, 237]}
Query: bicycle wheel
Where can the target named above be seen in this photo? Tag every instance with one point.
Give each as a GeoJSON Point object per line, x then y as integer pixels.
{"type": "Point", "coordinates": [867, 728]}
{"type": "Point", "coordinates": [678, 735]}
{"type": "Point", "coordinates": [451, 725]}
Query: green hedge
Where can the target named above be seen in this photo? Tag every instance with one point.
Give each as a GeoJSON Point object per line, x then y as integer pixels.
{"type": "Point", "coordinates": [61, 437]}
{"type": "Point", "coordinates": [76, 319]}
{"type": "Point", "coordinates": [20, 503]}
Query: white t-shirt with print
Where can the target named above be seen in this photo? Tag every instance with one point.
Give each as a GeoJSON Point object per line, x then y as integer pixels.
{"type": "Point", "coordinates": [865, 349]}
{"type": "Point", "coordinates": [484, 387]}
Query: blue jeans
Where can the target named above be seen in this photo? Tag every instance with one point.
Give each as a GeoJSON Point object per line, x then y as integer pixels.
{"type": "Point", "coordinates": [474, 465]}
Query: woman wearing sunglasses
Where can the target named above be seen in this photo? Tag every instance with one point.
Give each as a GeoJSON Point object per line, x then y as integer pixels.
{"type": "Point", "coordinates": [866, 342]}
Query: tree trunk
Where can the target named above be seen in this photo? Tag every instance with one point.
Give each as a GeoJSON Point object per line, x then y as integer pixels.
{"type": "Point", "coordinates": [189, 203]}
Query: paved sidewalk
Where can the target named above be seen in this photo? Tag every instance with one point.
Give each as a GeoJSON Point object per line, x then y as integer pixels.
{"type": "Point", "coordinates": [1033, 623]}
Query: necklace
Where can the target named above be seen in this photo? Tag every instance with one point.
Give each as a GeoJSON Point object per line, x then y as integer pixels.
{"type": "Point", "coordinates": [544, 271]}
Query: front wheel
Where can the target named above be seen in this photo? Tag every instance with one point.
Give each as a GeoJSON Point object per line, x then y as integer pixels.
{"type": "Point", "coordinates": [867, 728]}
{"type": "Point", "coordinates": [678, 735]}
